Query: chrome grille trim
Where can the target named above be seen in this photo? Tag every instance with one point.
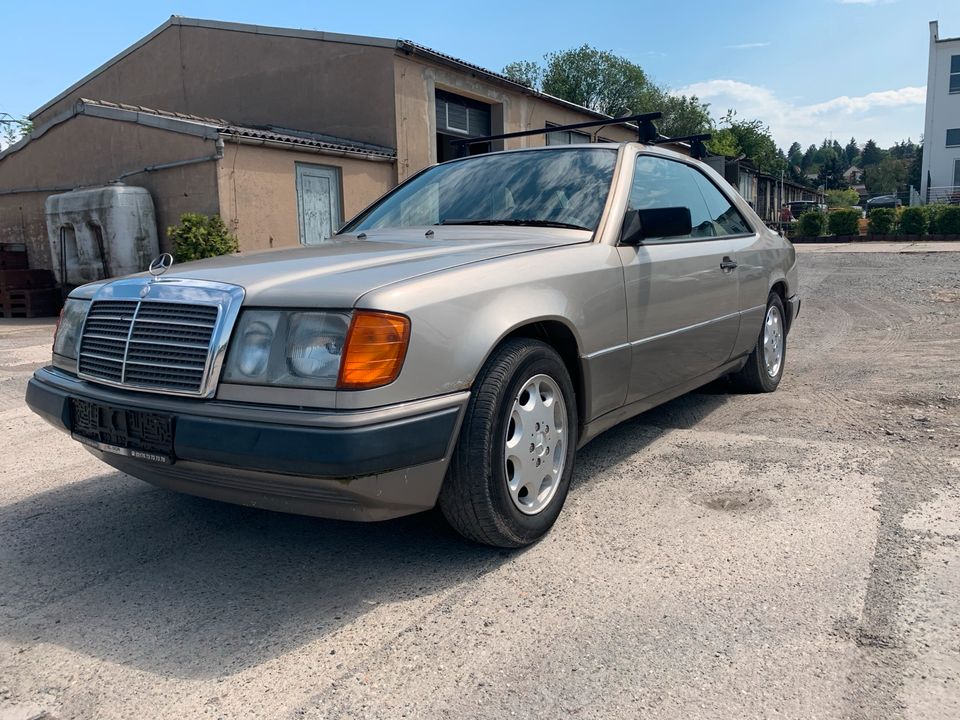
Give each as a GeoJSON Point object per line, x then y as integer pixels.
{"type": "Point", "coordinates": [164, 336]}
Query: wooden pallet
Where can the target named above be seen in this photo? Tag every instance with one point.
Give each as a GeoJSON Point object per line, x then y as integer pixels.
{"type": "Point", "coordinates": [30, 303]}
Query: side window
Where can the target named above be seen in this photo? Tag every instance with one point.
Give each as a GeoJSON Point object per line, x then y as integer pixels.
{"type": "Point", "coordinates": [660, 183]}
{"type": "Point", "coordinates": [722, 213]}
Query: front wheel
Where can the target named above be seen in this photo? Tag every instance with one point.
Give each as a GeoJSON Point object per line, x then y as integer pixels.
{"type": "Point", "coordinates": [511, 469]}
{"type": "Point", "coordinates": [764, 367]}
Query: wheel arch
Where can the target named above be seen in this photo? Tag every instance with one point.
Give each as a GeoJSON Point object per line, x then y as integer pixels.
{"type": "Point", "coordinates": [558, 333]}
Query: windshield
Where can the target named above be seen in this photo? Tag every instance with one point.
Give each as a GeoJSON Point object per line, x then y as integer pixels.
{"type": "Point", "coordinates": [546, 188]}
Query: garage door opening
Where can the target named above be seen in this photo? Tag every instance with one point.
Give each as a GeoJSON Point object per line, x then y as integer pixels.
{"type": "Point", "coordinates": [458, 118]}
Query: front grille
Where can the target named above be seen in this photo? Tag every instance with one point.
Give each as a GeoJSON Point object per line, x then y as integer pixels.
{"type": "Point", "coordinates": [148, 344]}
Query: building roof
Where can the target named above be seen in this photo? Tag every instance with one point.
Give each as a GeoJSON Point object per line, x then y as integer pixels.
{"type": "Point", "coordinates": [404, 46]}
{"type": "Point", "coordinates": [210, 128]}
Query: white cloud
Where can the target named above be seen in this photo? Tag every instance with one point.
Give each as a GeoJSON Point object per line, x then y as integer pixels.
{"type": "Point", "coordinates": [886, 116]}
{"type": "Point", "coordinates": [747, 46]}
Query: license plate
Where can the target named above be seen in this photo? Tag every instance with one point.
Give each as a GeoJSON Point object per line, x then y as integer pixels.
{"type": "Point", "coordinates": [132, 433]}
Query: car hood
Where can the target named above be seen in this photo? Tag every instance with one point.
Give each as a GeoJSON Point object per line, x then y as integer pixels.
{"type": "Point", "coordinates": [339, 271]}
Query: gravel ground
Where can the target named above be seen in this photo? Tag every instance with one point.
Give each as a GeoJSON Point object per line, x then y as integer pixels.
{"type": "Point", "coordinates": [724, 556]}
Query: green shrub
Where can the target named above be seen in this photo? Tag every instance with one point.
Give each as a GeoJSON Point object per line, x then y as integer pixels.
{"type": "Point", "coordinates": [881, 221]}
{"type": "Point", "coordinates": [201, 236]}
{"type": "Point", "coordinates": [844, 222]}
{"type": "Point", "coordinates": [810, 224]}
{"type": "Point", "coordinates": [948, 220]}
{"type": "Point", "coordinates": [933, 218]}
{"type": "Point", "coordinates": [913, 221]}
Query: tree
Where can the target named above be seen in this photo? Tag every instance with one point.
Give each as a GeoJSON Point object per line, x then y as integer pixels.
{"type": "Point", "coordinates": [871, 155]}
{"type": "Point", "coordinates": [831, 169]}
{"type": "Point", "coordinates": [597, 79]}
{"type": "Point", "coordinates": [846, 197]}
{"type": "Point", "coordinates": [808, 159]}
{"type": "Point", "coordinates": [795, 153]}
{"type": "Point", "coordinates": [748, 137]}
{"type": "Point", "coordinates": [684, 115]}
{"type": "Point", "coordinates": [12, 129]}
{"type": "Point", "coordinates": [903, 150]}
{"type": "Point", "coordinates": [525, 72]}
{"type": "Point", "coordinates": [612, 85]}
{"type": "Point", "coordinates": [887, 176]}
{"type": "Point", "coordinates": [851, 152]}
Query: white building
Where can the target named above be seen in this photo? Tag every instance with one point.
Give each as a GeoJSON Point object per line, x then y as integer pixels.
{"type": "Point", "coordinates": [941, 137]}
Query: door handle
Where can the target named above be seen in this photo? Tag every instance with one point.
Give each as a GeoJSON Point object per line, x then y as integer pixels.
{"type": "Point", "coordinates": [728, 264]}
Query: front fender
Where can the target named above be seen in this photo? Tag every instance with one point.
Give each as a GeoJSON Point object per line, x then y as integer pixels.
{"type": "Point", "coordinates": [459, 316]}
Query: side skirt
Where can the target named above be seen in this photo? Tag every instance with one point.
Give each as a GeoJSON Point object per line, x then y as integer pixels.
{"type": "Point", "coordinates": [615, 417]}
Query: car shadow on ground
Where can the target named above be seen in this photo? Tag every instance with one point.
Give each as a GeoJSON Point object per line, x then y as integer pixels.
{"type": "Point", "coordinates": [184, 587]}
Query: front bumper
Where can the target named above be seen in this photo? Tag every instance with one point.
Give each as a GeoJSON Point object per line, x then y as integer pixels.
{"type": "Point", "coordinates": [360, 465]}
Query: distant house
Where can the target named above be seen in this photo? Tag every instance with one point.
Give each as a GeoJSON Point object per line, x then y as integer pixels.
{"type": "Point", "coordinates": [284, 133]}
{"type": "Point", "coordinates": [852, 175]}
{"type": "Point", "coordinates": [940, 172]}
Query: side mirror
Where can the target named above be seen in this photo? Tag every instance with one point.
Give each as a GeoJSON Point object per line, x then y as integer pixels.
{"type": "Point", "coordinates": [639, 225]}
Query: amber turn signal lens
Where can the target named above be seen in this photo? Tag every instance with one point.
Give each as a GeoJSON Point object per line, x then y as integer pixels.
{"type": "Point", "coordinates": [374, 351]}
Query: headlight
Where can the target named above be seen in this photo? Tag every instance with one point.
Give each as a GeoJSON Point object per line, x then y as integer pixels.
{"type": "Point", "coordinates": [359, 350]}
{"type": "Point", "coordinates": [272, 347]}
{"type": "Point", "coordinates": [66, 340]}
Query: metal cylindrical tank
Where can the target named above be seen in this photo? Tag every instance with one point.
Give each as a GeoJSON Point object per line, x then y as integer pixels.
{"type": "Point", "coordinates": [101, 232]}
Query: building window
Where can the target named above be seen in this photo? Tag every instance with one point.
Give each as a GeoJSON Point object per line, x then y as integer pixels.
{"type": "Point", "coordinates": [462, 116]}
{"type": "Point", "coordinates": [953, 137]}
{"type": "Point", "coordinates": [956, 172]}
{"type": "Point", "coordinates": [955, 74]}
{"type": "Point", "coordinates": [566, 137]}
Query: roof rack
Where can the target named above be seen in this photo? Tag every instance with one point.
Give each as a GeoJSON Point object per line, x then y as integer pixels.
{"type": "Point", "coordinates": [646, 133]}
{"type": "Point", "coordinates": [646, 130]}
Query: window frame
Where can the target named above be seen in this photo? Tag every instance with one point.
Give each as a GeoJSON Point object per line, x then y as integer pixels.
{"type": "Point", "coordinates": [947, 139]}
{"type": "Point", "coordinates": [569, 133]}
{"type": "Point", "coordinates": [953, 76]}
{"type": "Point", "coordinates": [692, 166]}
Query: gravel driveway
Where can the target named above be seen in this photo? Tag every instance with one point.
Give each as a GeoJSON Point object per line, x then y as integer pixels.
{"type": "Point", "coordinates": [724, 556]}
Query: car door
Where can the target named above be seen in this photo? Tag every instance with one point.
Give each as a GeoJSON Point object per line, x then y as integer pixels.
{"type": "Point", "coordinates": [682, 292]}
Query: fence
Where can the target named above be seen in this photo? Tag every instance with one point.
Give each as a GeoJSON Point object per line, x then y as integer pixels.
{"type": "Point", "coordinates": [946, 195]}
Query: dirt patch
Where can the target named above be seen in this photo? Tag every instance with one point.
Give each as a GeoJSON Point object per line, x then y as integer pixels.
{"type": "Point", "coordinates": [946, 295]}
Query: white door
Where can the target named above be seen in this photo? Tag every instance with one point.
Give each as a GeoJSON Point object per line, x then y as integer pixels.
{"type": "Point", "coordinates": [318, 202]}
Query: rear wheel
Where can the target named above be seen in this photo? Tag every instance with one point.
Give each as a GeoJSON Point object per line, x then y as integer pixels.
{"type": "Point", "coordinates": [764, 367]}
{"type": "Point", "coordinates": [511, 469]}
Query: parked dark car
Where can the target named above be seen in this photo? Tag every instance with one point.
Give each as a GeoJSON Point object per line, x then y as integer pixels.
{"type": "Point", "coordinates": [884, 201]}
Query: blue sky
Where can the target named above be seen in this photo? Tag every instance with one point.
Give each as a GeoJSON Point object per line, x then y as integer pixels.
{"type": "Point", "coordinates": [809, 69]}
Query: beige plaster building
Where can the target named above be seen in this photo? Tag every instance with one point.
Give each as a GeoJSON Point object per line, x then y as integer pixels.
{"type": "Point", "coordinates": [284, 133]}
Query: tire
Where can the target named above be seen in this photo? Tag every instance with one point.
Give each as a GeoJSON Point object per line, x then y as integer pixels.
{"type": "Point", "coordinates": [488, 493]}
{"type": "Point", "coordinates": [756, 376]}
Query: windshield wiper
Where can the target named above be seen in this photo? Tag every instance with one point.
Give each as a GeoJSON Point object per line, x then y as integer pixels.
{"type": "Point", "coordinates": [521, 223]}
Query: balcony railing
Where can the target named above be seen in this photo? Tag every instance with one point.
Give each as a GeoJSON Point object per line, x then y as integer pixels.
{"type": "Point", "coordinates": [945, 195]}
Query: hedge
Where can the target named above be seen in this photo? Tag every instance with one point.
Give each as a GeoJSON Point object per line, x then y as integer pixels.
{"type": "Point", "coordinates": [913, 221]}
{"type": "Point", "coordinates": [810, 223]}
{"type": "Point", "coordinates": [881, 221]}
{"type": "Point", "coordinates": [844, 222]}
{"type": "Point", "coordinates": [948, 219]}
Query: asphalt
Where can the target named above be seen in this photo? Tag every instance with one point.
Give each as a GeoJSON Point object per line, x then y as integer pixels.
{"type": "Point", "coordinates": [790, 555]}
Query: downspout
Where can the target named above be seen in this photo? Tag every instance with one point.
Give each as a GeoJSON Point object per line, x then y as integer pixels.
{"type": "Point", "coordinates": [217, 155]}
